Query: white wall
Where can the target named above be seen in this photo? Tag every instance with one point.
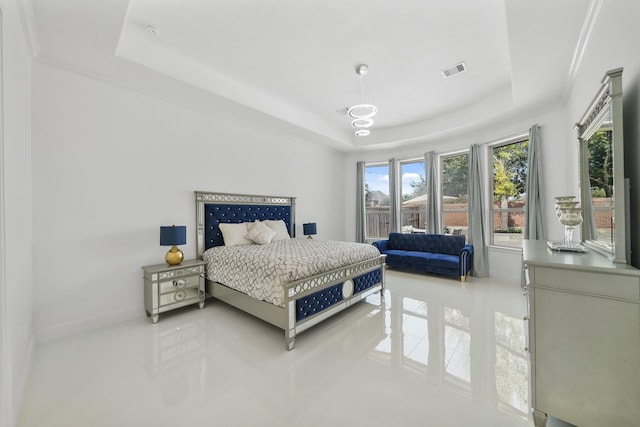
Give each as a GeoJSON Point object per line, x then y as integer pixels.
{"type": "Point", "coordinates": [505, 264]}
{"type": "Point", "coordinates": [16, 282]}
{"type": "Point", "coordinates": [111, 166]}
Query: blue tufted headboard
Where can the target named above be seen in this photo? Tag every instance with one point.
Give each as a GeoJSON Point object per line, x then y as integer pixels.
{"type": "Point", "coordinates": [215, 208]}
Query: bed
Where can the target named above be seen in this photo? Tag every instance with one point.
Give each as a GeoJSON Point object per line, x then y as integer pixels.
{"type": "Point", "coordinates": [305, 301]}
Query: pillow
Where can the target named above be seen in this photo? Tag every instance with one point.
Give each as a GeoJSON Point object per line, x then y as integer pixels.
{"type": "Point", "coordinates": [234, 234]}
{"type": "Point", "coordinates": [280, 228]}
{"type": "Point", "coordinates": [259, 233]}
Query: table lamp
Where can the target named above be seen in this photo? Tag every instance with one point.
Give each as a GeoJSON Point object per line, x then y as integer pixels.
{"type": "Point", "coordinates": [172, 236]}
{"type": "Point", "coordinates": [309, 229]}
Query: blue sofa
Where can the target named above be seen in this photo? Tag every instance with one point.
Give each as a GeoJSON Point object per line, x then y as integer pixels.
{"type": "Point", "coordinates": [429, 253]}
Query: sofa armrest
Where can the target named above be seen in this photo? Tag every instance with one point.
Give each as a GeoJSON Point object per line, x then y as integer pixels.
{"type": "Point", "coordinates": [466, 260]}
{"type": "Point", "coordinates": [382, 245]}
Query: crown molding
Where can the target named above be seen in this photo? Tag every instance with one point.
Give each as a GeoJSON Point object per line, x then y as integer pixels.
{"type": "Point", "coordinates": [583, 42]}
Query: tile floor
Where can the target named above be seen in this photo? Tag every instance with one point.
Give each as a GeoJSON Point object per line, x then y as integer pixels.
{"type": "Point", "coordinates": [433, 352]}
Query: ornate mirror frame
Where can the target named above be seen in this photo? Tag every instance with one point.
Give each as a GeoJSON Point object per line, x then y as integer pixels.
{"type": "Point", "coordinates": [605, 111]}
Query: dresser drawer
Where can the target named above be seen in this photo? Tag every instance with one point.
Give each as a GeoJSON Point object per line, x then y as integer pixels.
{"type": "Point", "coordinates": [184, 282]}
{"type": "Point", "coordinates": [588, 282]}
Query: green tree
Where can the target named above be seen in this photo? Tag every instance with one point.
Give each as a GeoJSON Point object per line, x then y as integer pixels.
{"type": "Point", "coordinates": [509, 176]}
{"type": "Point", "coordinates": [418, 188]}
{"type": "Point", "coordinates": [601, 162]}
{"type": "Point", "coordinates": [510, 170]}
{"type": "Point", "coordinates": [366, 194]}
{"type": "Point", "coordinates": [455, 172]}
{"type": "Point", "coordinates": [504, 187]}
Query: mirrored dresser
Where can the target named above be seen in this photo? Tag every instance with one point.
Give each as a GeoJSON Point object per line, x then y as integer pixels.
{"type": "Point", "coordinates": [584, 337]}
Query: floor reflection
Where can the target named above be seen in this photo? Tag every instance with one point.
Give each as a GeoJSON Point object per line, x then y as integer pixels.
{"type": "Point", "coordinates": [466, 344]}
{"type": "Point", "coordinates": [177, 355]}
{"type": "Point", "coordinates": [431, 352]}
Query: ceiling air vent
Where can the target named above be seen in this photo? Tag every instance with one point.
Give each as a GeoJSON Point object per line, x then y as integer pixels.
{"type": "Point", "coordinates": [454, 70]}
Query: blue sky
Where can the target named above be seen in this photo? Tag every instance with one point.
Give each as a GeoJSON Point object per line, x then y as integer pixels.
{"type": "Point", "coordinates": [378, 176]}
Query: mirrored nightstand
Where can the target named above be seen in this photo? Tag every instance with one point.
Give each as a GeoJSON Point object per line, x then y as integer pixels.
{"type": "Point", "coordinates": [169, 287]}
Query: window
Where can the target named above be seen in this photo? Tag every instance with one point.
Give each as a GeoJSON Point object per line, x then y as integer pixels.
{"type": "Point", "coordinates": [454, 190]}
{"type": "Point", "coordinates": [508, 188]}
{"type": "Point", "coordinates": [413, 209]}
{"type": "Point", "coordinates": [377, 206]}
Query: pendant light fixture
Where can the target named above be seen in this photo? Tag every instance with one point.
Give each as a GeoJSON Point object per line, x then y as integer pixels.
{"type": "Point", "coordinates": [362, 113]}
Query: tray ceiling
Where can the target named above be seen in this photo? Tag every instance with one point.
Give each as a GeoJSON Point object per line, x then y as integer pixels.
{"type": "Point", "coordinates": [290, 64]}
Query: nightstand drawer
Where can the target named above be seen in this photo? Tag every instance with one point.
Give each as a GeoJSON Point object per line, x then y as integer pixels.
{"type": "Point", "coordinates": [178, 283]}
{"type": "Point", "coordinates": [179, 296]}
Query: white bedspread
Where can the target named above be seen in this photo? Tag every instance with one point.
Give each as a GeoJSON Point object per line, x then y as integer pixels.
{"type": "Point", "coordinates": [261, 270]}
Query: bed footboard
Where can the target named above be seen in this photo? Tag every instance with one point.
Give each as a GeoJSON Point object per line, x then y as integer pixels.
{"type": "Point", "coordinates": [309, 301]}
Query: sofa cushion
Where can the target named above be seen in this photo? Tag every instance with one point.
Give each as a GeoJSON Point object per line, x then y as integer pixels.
{"type": "Point", "coordinates": [395, 256]}
{"type": "Point", "coordinates": [434, 260]}
{"type": "Point", "coordinates": [433, 243]}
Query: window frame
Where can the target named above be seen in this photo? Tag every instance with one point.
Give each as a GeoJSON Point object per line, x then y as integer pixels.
{"type": "Point", "coordinates": [400, 195]}
{"type": "Point", "coordinates": [367, 237]}
{"type": "Point", "coordinates": [440, 206]}
{"type": "Point", "coordinates": [492, 210]}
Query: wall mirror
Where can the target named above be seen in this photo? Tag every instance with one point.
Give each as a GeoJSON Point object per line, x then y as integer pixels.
{"type": "Point", "coordinates": [602, 183]}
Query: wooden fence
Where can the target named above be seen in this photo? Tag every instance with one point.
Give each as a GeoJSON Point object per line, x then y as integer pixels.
{"type": "Point", "coordinates": [377, 219]}
{"type": "Point", "coordinates": [377, 222]}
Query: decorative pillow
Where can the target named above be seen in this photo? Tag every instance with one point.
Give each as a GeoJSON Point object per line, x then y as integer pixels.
{"type": "Point", "coordinates": [280, 228]}
{"type": "Point", "coordinates": [259, 233]}
{"type": "Point", "coordinates": [234, 234]}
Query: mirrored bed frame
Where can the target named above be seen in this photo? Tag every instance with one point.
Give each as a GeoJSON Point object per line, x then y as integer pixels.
{"type": "Point", "coordinates": [308, 301]}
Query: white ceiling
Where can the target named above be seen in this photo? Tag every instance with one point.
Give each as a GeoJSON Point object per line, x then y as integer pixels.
{"type": "Point", "coordinates": [290, 63]}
